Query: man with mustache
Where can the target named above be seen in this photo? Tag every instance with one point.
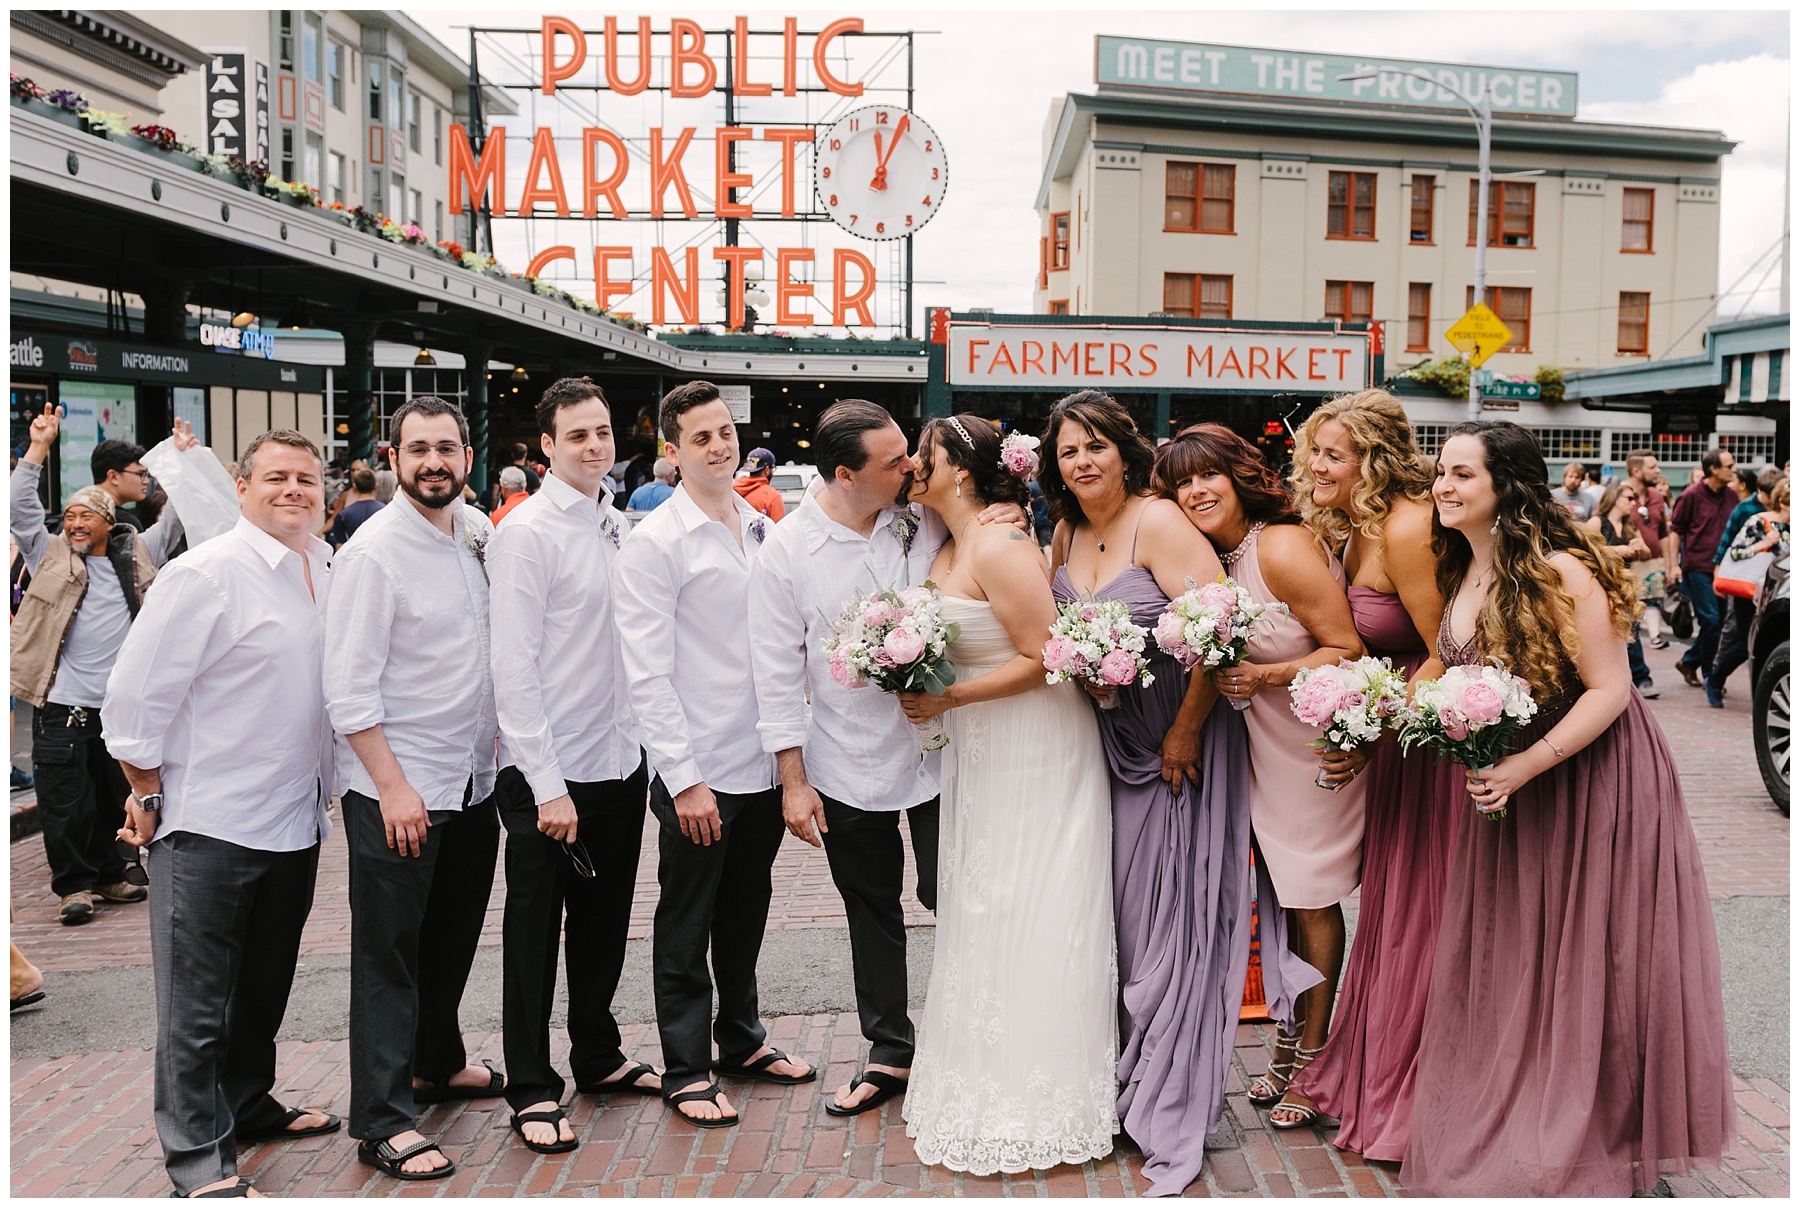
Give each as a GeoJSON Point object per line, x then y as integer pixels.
{"type": "Point", "coordinates": [408, 687]}
{"type": "Point", "coordinates": [87, 586]}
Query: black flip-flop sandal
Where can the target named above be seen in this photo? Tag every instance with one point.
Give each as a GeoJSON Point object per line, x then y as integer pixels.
{"type": "Point", "coordinates": [442, 1094]}
{"type": "Point", "coordinates": [627, 1085]}
{"type": "Point", "coordinates": [25, 1000]}
{"type": "Point", "coordinates": [709, 1095]}
{"type": "Point", "coordinates": [385, 1158]}
{"type": "Point", "coordinates": [886, 1087]}
{"type": "Point", "coordinates": [554, 1118]}
{"type": "Point", "coordinates": [758, 1070]}
{"type": "Point", "coordinates": [281, 1132]}
{"type": "Point", "coordinates": [237, 1191]}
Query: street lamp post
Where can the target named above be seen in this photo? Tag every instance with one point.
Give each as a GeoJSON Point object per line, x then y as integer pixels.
{"type": "Point", "coordinates": [1482, 111]}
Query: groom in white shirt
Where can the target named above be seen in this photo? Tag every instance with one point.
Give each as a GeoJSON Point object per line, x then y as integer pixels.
{"type": "Point", "coordinates": [681, 586]}
{"type": "Point", "coordinates": [851, 767]}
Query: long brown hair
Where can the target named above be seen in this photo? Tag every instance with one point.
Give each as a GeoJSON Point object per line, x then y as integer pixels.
{"type": "Point", "coordinates": [1528, 620]}
{"type": "Point", "coordinates": [1103, 416]}
{"type": "Point", "coordinates": [1206, 448]}
{"type": "Point", "coordinates": [1391, 466]}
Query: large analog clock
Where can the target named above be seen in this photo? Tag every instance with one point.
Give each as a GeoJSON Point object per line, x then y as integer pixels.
{"type": "Point", "coordinates": [881, 172]}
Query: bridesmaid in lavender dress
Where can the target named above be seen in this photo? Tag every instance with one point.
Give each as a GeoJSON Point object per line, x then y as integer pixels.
{"type": "Point", "coordinates": [1308, 837]}
{"type": "Point", "coordinates": [1364, 487]}
{"type": "Point", "coordinates": [1575, 1038]}
{"type": "Point", "coordinates": [1181, 825]}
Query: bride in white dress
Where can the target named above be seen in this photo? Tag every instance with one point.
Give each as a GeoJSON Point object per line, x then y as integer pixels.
{"type": "Point", "coordinates": [1014, 1068]}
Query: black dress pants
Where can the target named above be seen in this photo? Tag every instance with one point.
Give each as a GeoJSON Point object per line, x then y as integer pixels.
{"type": "Point", "coordinates": [225, 925]}
{"type": "Point", "coordinates": [868, 868]}
{"type": "Point", "coordinates": [715, 895]}
{"type": "Point", "coordinates": [541, 885]}
{"type": "Point", "coordinates": [414, 924]}
{"type": "Point", "coordinates": [81, 798]}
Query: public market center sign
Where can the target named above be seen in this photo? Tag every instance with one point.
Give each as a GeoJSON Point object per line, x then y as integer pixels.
{"type": "Point", "coordinates": [1147, 63]}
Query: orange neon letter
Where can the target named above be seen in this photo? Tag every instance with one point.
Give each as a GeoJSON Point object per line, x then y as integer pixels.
{"type": "Point", "coordinates": [553, 74]}
{"type": "Point", "coordinates": [662, 273]}
{"type": "Point", "coordinates": [605, 288]}
{"type": "Point", "coordinates": [664, 172]}
{"type": "Point", "coordinates": [725, 204]}
{"type": "Point", "coordinates": [611, 62]}
{"type": "Point", "coordinates": [790, 56]}
{"type": "Point", "coordinates": [547, 257]}
{"type": "Point", "coordinates": [543, 152]}
{"type": "Point", "coordinates": [787, 138]}
{"type": "Point", "coordinates": [687, 44]}
{"type": "Point", "coordinates": [786, 289]}
{"type": "Point", "coordinates": [593, 190]}
{"type": "Point", "coordinates": [843, 300]}
{"type": "Point", "coordinates": [479, 176]}
{"type": "Point", "coordinates": [849, 25]}
{"type": "Point", "coordinates": [741, 52]}
{"type": "Point", "coordinates": [737, 257]}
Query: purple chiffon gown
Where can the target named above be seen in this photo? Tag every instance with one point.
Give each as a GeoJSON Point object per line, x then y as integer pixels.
{"type": "Point", "coordinates": [1416, 803]}
{"type": "Point", "coordinates": [1181, 896]}
{"type": "Point", "coordinates": [1574, 1041]}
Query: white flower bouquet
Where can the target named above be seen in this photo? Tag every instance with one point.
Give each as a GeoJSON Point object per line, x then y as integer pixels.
{"type": "Point", "coordinates": [1351, 702]}
{"type": "Point", "coordinates": [897, 641]}
{"type": "Point", "coordinates": [1210, 626]}
{"type": "Point", "coordinates": [1467, 715]}
{"type": "Point", "coordinates": [1096, 640]}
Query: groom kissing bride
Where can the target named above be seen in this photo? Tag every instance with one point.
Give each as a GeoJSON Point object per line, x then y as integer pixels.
{"type": "Point", "coordinates": [850, 769]}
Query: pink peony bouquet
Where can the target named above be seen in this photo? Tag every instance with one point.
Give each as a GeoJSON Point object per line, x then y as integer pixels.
{"type": "Point", "coordinates": [1467, 715]}
{"type": "Point", "coordinates": [898, 641]}
{"type": "Point", "coordinates": [1351, 702]}
{"type": "Point", "coordinates": [1210, 626]}
{"type": "Point", "coordinates": [1096, 640]}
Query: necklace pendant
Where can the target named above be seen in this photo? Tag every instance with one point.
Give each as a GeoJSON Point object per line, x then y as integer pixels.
{"type": "Point", "coordinates": [1103, 547]}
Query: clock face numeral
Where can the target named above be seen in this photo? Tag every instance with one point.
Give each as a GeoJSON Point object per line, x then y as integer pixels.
{"type": "Point", "coordinates": [870, 162]}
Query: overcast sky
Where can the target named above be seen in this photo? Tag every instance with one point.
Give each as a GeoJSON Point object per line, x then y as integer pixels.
{"type": "Point", "coordinates": [986, 80]}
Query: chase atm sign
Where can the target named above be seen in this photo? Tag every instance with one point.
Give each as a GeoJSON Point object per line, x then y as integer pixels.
{"type": "Point", "coordinates": [1193, 67]}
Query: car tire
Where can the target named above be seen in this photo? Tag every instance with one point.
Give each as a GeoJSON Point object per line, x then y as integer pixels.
{"type": "Point", "coordinates": [1770, 724]}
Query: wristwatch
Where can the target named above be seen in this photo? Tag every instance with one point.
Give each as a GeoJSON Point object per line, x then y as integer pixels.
{"type": "Point", "coordinates": [149, 802]}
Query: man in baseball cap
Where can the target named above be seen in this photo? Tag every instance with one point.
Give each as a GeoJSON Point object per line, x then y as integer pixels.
{"type": "Point", "coordinates": [753, 484]}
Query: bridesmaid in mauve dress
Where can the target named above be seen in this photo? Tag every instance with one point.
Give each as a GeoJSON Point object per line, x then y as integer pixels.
{"type": "Point", "coordinates": [1574, 1040]}
{"type": "Point", "coordinates": [1181, 823]}
{"type": "Point", "coordinates": [1309, 838]}
{"type": "Point", "coordinates": [1363, 485]}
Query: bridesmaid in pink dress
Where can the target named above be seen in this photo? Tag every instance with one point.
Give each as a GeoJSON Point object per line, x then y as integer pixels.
{"type": "Point", "coordinates": [1574, 1042]}
{"type": "Point", "coordinates": [1364, 487]}
{"type": "Point", "coordinates": [1308, 838]}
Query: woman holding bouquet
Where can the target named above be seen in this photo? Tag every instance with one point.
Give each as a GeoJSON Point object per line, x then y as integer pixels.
{"type": "Point", "coordinates": [1309, 838]}
{"type": "Point", "coordinates": [1575, 1038]}
{"type": "Point", "coordinates": [1363, 486]}
{"type": "Point", "coordinates": [1014, 1065]}
{"type": "Point", "coordinates": [1180, 806]}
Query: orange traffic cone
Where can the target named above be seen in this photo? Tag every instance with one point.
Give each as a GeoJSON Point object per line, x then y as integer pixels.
{"type": "Point", "coordinates": [1255, 1007]}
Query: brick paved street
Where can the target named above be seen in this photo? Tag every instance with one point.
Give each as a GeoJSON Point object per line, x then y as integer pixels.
{"type": "Point", "coordinates": [81, 1120]}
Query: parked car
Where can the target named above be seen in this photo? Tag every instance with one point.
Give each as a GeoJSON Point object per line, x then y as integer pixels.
{"type": "Point", "coordinates": [1769, 704]}
{"type": "Point", "coordinates": [791, 483]}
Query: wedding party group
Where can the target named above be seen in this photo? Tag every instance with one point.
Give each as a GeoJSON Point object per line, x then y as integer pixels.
{"type": "Point", "coordinates": [1225, 703]}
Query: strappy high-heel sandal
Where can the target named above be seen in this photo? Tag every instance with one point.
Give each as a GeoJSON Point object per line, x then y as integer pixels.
{"type": "Point", "coordinates": [1303, 1113]}
{"type": "Point", "coordinates": [1270, 1087]}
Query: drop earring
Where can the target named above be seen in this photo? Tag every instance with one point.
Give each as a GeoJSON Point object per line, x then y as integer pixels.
{"type": "Point", "coordinates": [959, 488]}
{"type": "Point", "coordinates": [1496, 529]}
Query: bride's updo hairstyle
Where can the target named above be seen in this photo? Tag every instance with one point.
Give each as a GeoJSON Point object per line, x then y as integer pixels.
{"type": "Point", "coordinates": [971, 443]}
{"type": "Point", "coordinates": [1527, 615]}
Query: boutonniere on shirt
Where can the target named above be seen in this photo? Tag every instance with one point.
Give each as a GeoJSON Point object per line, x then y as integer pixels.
{"type": "Point", "coordinates": [609, 528]}
{"type": "Point", "coordinates": [476, 543]}
{"type": "Point", "coordinates": [759, 528]}
{"type": "Point", "coordinates": [905, 529]}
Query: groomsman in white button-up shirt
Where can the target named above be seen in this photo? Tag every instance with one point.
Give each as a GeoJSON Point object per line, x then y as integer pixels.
{"type": "Point", "coordinates": [408, 686]}
{"type": "Point", "coordinates": [215, 713]}
{"type": "Point", "coordinates": [571, 786]}
{"type": "Point", "coordinates": [681, 586]}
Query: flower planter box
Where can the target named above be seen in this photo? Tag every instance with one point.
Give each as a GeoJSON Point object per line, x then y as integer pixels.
{"type": "Point", "coordinates": [179, 158]}
{"type": "Point", "coordinates": [53, 112]}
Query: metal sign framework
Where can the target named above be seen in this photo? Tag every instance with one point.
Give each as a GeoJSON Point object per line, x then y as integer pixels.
{"type": "Point", "coordinates": [732, 231]}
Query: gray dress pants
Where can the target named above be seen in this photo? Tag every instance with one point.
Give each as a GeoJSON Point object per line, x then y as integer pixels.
{"type": "Point", "coordinates": [225, 926]}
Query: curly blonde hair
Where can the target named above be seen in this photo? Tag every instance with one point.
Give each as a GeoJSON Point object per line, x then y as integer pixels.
{"type": "Point", "coordinates": [1528, 619]}
{"type": "Point", "coordinates": [1390, 465]}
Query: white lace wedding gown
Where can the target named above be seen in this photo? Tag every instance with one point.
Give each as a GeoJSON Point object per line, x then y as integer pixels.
{"type": "Point", "coordinates": [1014, 1068]}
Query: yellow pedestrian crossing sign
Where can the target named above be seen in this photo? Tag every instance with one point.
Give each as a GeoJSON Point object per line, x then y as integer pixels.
{"type": "Point", "coordinates": [1479, 334]}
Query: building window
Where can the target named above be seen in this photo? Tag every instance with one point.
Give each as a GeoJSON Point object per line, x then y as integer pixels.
{"type": "Point", "coordinates": [1430, 437]}
{"type": "Point", "coordinates": [1671, 451]}
{"type": "Point", "coordinates": [311, 30]}
{"type": "Point", "coordinates": [1640, 212]}
{"type": "Point", "coordinates": [1200, 197]}
{"type": "Point", "coordinates": [284, 41]}
{"type": "Point", "coordinates": [1059, 241]}
{"type": "Point", "coordinates": [396, 100]}
{"type": "Point", "coordinates": [285, 169]}
{"type": "Point", "coordinates": [374, 74]}
{"type": "Point", "coordinates": [335, 54]}
{"type": "Point", "coordinates": [1424, 196]}
{"type": "Point", "coordinates": [413, 104]}
{"type": "Point", "coordinates": [1350, 301]}
{"type": "Point", "coordinates": [1634, 323]}
{"type": "Point", "coordinates": [399, 210]}
{"type": "Point", "coordinates": [1513, 304]}
{"type": "Point", "coordinates": [1350, 208]}
{"type": "Point", "coordinates": [1418, 317]}
{"type": "Point", "coordinates": [1512, 207]}
{"type": "Point", "coordinates": [415, 210]}
{"type": "Point", "coordinates": [1059, 307]}
{"type": "Point", "coordinates": [313, 166]}
{"type": "Point", "coordinates": [1750, 449]}
{"type": "Point", "coordinates": [1569, 444]}
{"type": "Point", "coordinates": [437, 136]}
{"type": "Point", "coordinates": [439, 228]}
{"type": "Point", "coordinates": [336, 181]}
{"type": "Point", "coordinates": [1197, 295]}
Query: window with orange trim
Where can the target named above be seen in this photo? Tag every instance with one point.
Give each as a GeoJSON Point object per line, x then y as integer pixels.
{"type": "Point", "coordinates": [1424, 196]}
{"type": "Point", "coordinates": [1197, 295]}
{"type": "Point", "coordinates": [1418, 316]}
{"type": "Point", "coordinates": [1350, 206]}
{"type": "Point", "coordinates": [1351, 301]}
{"type": "Point", "coordinates": [1634, 322]}
{"type": "Point", "coordinates": [1513, 304]}
{"type": "Point", "coordinates": [1059, 241]}
{"type": "Point", "coordinates": [1200, 197]}
{"type": "Point", "coordinates": [1059, 307]}
{"type": "Point", "coordinates": [1640, 221]}
{"type": "Point", "coordinates": [1512, 212]}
